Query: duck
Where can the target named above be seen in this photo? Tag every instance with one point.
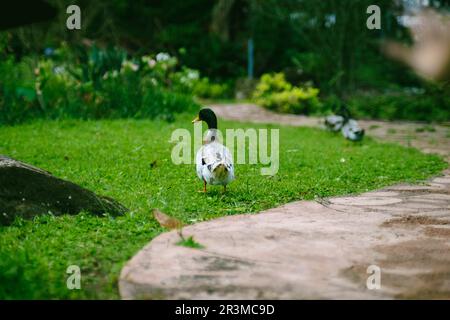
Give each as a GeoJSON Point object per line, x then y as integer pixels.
{"type": "Point", "coordinates": [336, 121]}
{"type": "Point", "coordinates": [342, 121]}
{"type": "Point", "coordinates": [352, 131]}
{"type": "Point", "coordinates": [214, 163]}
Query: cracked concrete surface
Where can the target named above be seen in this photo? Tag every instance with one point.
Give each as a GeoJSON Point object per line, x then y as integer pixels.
{"type": "Point", "coordinates": [309, 249]}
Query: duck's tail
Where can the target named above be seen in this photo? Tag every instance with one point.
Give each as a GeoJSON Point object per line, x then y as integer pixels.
{"type": "Point", "coordinates": [220, 171]}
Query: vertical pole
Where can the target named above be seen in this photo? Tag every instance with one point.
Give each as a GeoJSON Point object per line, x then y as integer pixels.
{"type": "Point", "coordinates": [250, 58]}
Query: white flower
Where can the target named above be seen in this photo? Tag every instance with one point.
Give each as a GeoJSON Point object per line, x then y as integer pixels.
{"type": "Point", "coordinates": [162, 56]}
{"type": "Point", "coordinates": [342, 160]}
{"type": "Point", "coordinates": [58, 70]}
{"type": "Point", "coordinates": [149, 60]}
{"type": "Point", "coordinates": [193, 74]}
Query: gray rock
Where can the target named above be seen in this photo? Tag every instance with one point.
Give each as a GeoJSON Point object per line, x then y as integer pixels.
{"type": "Point", "coordinates": [27, 191]}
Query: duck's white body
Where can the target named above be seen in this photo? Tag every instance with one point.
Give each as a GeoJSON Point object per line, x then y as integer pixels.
{"type": "Point", "coordinates": [352, 131]}
{"type": "Point", "coordinates": [214, 163]}
{"type": "Point", "coordinates": [349, 127]}
{"type": "Point", "coordinates": [334, 122]}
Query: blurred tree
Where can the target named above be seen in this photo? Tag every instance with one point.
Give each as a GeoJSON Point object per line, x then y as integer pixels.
{"type": "Point", "coordinates": [326, 42]}
{"type": "Point", "coordinates": [220, 19]}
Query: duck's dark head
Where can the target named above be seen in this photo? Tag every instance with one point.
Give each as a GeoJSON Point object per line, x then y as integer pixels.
{"type": "Point", "coordinates": [208, 116]}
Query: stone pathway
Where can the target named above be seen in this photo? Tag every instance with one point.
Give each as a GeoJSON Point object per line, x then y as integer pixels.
{"type": "Point", "coordinates": [307, 249]}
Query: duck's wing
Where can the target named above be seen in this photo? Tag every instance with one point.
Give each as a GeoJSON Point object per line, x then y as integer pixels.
{"type": "Point", "coordinates": [227, 157]}
{"type": "Point", "coordinates": [199, 163]}
{"type": "Point", "coordinates": [215, 153]}
{"type": "Point", "coordinates": [207, 157]}
{"type": "Point", "coordinates": [212, 154]}
{"type": "Point", "coordinates": [334, 122]}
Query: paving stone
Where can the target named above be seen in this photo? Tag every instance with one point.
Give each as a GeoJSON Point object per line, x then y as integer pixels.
{"type": "Point", "coordinates": [380, 194]}
{"type": "Point", "coordinates": [434, 196]}
{"type": "Point", "coordinates": [415, 188]}
{"type": "Point", "coordinates": [445, 180]}
{"type": "Point", "coordinates": [392, 209]}
{"type": "Point", "coordinates": [419, 205]}
{"type": "Point", "coordinates": [366, 201]}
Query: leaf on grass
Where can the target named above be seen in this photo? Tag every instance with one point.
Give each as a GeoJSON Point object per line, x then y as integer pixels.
{"type": "Point", "coordinates": [167, 221]}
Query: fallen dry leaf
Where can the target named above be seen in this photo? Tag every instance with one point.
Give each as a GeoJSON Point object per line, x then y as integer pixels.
{"type": "Point", "coordinates": [167, 221]}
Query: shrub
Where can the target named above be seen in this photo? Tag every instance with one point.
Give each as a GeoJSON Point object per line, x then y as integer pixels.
{"type": "Point", "coordinates": [100, 83]}
{"type": "Point", "coordinates": [414, 106]}
{"type": "Point", "coordinates": [275, 93]}
{"type": "Point", "coordinates": [244, 87]}
{"type": "Point", "coordinates": [17, 91]}
{"type": "Point", "coordinates": [206, 89]}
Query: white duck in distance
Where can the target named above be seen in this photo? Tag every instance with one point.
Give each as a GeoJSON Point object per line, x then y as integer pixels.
{"type": "Point", "coordinates": [352, 131]}
{"type": "Point", "coordinates": [342, 121]}
{"type": "Point", "coordinates": [214, 162]}
{"type": "Point", "coordinates": [336, 121]}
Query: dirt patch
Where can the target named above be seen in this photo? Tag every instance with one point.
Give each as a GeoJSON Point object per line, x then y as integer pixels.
{"type": "Point", "coordinates": [437, 232]}
{"type": "Point", "coordinates": [434, 286]}
{"type": "Point", "coordinates": [357, 273]}
{"type": "Point", "coordinates": [414, 220]}
{"type": "Point", "coordinates": [422, 253]}
{"type": "Point", "coordinates": [417, 269]}
{"type": "Point", "coordinates": [213, 263]}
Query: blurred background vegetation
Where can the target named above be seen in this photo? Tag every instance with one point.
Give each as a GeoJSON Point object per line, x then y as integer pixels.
{"type": "Point", "coordinates": [152, 58]}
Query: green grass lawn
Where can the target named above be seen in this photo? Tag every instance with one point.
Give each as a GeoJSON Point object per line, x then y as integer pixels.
{"type": "Point", "coordinates": [115, 158]}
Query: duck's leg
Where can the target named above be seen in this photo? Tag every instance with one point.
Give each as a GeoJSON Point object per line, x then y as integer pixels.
{"type": "Point", "coordinates": [204, 187]}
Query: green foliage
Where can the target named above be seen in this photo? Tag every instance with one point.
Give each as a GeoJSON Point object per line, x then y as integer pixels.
{"type": "Point", "coordinates": [309, 41]}
{"type": "Point", "coordinates": [426, 128]}
{"type": "Point", "coordinates": [190, 243]}
{"type": "Point", "coordinates": [275, 93]}
{"type": "Point", "coordinates": [88, 65]}
{"type": "Point", "coordinates": [414, 106]}
{"type": "Point", "coordinates": [325, 42]}
{"type": "Point", "coordinates": [18, 98]}
{"type": "Point", "coordinates": [98, 83]}
{"type": "Point", "coordinates": [22, 275]}
{"type": "Point", "coordinates": [129, 160]}
{"type": "Point", "coordinates": [204, 88]}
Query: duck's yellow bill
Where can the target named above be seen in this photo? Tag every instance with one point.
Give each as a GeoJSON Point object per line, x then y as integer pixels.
{"type": "Point", "coordinates": [196, 119]}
